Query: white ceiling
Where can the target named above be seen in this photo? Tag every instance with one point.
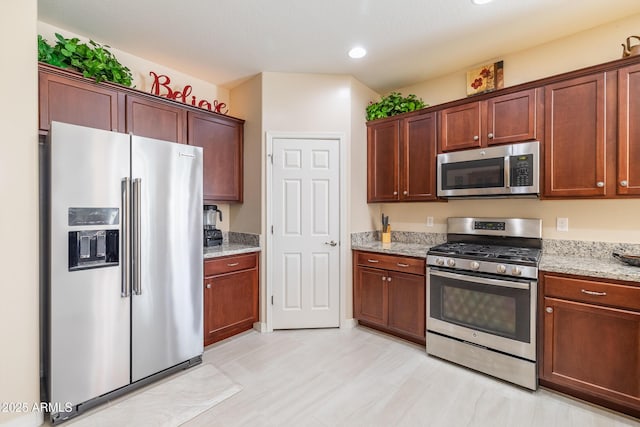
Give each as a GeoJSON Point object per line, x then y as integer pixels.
{"type": "Point", "coordinates": [408, 41]}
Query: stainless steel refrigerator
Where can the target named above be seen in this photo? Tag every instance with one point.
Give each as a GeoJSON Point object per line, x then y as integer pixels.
{"type": "Point", "coordinates": [122, 266]}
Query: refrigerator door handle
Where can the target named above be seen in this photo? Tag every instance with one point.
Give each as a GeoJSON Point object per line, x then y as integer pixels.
{"type": "Point", "coordinates": [125, 285]}
{"type": "Point", "coordinates": [137, 282]}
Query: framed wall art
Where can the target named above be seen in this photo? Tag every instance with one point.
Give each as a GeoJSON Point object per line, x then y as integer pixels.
{"type": "Point", "coordinates": [485, 78]}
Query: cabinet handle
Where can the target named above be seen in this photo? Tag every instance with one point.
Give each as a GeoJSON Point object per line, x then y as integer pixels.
{"type": "Point", "coordinates": [374, 261]}
{"type": "Point", "coordinates": [600, 184]}
{"type": "Point", "coordinates": [402, 265]}
{"type": "Point", "coordinates": [395, 193]}
{"type": "Point", "coordinates": [208, 285]}
{"type": "Point", "coordinates": [233, 264]}
{"type": "Point", "coordinates": [549, 309]}
{"type": "Point", "coordinates": [384, 278]}
{"type": "Point", "coordinates": [490, 136]}
{"type": "Point", "coordinates": [405, 192]}
{"type": "Point", "coordinates": [594, 293]}
{"type": "Point", "coordinates": [623, 183]}
{"type": "Point", "coordinates": [388, 279]}
{"type": "Point", "coordinates": [476, 137]}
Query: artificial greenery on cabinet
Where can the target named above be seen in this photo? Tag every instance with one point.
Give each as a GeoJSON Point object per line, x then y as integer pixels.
{"type": "Point", "coordinates": [393, 104]}
{"type": "Point", "coordinates": [92, 60]}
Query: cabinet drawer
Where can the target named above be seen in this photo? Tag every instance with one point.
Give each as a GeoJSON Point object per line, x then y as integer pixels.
{"type": "Point", "coordinates": [592, 291]}
{"type": "Point", "coordinates": [392, 262]}
{"type": "Point", "coordinates": [229, 264]}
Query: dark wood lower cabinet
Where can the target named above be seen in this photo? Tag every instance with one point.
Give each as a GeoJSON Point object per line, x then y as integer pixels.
{"type": "Point", "coordinates": [591, 340]}
{"type": "Point", "coordinates": [230, 296]}
{"type": "Point", "coordinates": [390, 299]}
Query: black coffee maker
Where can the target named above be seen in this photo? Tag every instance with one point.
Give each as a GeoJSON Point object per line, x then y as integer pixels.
{"type": "Point", "coordinates": [212, 236]}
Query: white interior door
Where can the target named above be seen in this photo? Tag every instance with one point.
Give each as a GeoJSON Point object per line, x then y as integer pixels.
{"type": "Point", "coordinates": [306, 229]}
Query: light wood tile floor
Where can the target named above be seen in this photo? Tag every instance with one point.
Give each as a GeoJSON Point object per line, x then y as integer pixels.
{"type": "Point", "coordinates": [358, 377]}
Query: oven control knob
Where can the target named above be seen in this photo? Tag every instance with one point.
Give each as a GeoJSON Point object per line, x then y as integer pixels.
{"type": "Point", "coordinates": [474, 265]}
{"type": "Point", "coordinates": [451, 262]}
{"type": "Point", "coordinates": [516, 271]}
{"type": "Point", "coordinates": [439, 261]}
{"type": "Point", "coordinates": [501, 268]}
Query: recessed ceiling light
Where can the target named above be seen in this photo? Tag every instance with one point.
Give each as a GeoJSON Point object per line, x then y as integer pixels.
{"type": "Point", "coordinates": [481, 1]}
{"type": "Point", "coordinates": [357, 52]}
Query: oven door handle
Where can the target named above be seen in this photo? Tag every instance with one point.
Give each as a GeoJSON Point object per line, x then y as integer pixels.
{"type": "Point", "coordinates": [478, 279]}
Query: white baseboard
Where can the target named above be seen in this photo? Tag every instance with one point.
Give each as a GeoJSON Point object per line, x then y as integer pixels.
{"type": "Point", "coordinates": [260, 327]}
{"type": "Point", "coordinates": [348, 323]}
{"type": "Point", "coordinates": [32, 419]}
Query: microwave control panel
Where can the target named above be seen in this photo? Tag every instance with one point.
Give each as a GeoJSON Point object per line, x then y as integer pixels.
{"type": "Point", "coordinates": [521, 172]}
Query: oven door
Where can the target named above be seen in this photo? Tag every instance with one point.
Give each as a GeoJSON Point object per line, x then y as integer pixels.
{"type": "Point", "coordinates": [492, 312]}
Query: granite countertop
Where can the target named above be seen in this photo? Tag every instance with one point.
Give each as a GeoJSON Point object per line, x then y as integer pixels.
{"type": "Point", "coordinates": [605, 268]}
{"type": "Point", "coordinates": [418, 250]}
{"type": "Point", "coordinates": [229, 249]}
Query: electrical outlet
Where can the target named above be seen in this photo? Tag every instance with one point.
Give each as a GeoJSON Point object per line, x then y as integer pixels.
{"type": "Point", "coordinates": [429, 221]}
{"type": "Point", "coordinates": [562, 224]}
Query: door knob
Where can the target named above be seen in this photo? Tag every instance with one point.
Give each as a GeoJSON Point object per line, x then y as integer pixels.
{"type": "Point", "coordinates": [331, 243]}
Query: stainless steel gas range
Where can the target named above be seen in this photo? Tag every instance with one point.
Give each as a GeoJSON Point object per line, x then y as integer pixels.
{"type": "Point", "coordinates": [481, 296]}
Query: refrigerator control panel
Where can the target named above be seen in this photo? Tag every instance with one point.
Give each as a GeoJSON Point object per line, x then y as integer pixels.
{"type": "Point", "coordinates": [93, 249]}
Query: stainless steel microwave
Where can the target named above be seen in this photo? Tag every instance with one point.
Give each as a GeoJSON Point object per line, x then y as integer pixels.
{"type": "Point", "coordinates": [500, 171]}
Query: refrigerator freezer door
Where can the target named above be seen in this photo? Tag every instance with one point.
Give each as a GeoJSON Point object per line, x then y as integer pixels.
{"type": "Point", "coordinates": [167, 297]}
{"type": "Point", "coordinates": [89, 318]}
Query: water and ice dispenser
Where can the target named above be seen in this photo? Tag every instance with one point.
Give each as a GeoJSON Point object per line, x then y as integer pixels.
{"type": "Point", "coordinates": [94, 238]}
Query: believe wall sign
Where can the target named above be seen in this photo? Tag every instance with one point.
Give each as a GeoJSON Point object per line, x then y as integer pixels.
{"type": "Point", "coordinates": [161, 87]}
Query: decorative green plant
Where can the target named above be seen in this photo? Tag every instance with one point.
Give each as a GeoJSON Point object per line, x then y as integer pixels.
{"type": "Point", "coordinates": [393, 104]}
{"type": "Point", "coordinates": [93, 61]}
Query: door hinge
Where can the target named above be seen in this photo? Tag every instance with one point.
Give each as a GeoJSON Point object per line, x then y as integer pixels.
{"type": "Point", "coordinates": [271, 299]}
{"type": "Point", "coordinates": [270, 157]}
{"type": "Point", "coordinates": [272, 229]}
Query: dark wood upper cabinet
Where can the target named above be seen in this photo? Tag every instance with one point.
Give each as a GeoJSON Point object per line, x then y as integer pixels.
{"type": "Point", "coordinates": [222, 141]}
{"type": "Point", "coordinates": [498, 120]}
{"type": "Point", "coordinates": [78, 102]}
{"type": "Point", "coordinates": [628, 182]}
{"type": "Point", "coordinates": [576, 137]}
{"type": "Point", "coordinates": [418, 158]}
{"type": "Point", "coordinates": [460, 127]}
{"type": "Point", "coordinates": [383, 145]}
{"type": "Point", "coordinates": [156, 119]}
{"type": "Point", "coordinates": [401, 159]}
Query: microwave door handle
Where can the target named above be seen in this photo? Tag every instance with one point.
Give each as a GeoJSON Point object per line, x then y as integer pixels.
{"type": "Point", "coordinates": [478, 279]}
{"type": "Point", "coordinates": [507, 171]}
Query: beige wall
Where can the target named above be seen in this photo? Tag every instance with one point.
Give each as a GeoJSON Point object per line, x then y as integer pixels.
{"type": "Point", "coordinates": [591, 47]}
{"type": "Point", "coordinates": [246, 101]}
{"type": "Point", "coordinates": [19, 308]}
{"type": "Point", "coordinates": [606, 220]}
{"type": "Point", "coordinates": [140, 68]}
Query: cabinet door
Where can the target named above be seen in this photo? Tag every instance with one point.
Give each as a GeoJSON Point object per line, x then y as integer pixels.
{"type": "Point", "coordinates": [592, 349]}
{"type": "Point", "coordinates": [629, 130]}
{"type": "Point", "coordinates": [575, 137]}
{"type": "Point", "coordinates": [383, 146]}
{"type": "Point", "coordinates": [231, 304]}
{"type": "Point", "coordinates": [153, 119]}
{"type": "Point", "coordinates": [407, 303]}
{"type": "Point", "coordinates": [221, 140]}
{"type": "Point", "coordinates": [511, 118]}
{"type": "Point", "coordinates": [77, 102]}
{"type": "Point", "coordinates": [370, 295]}
{"type": "Point", "coordinates": [418, 165]}
{"type": "Point", "coordinates": [460, 127]}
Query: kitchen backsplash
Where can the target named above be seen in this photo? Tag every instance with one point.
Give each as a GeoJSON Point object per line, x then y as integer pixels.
{"type": "Point", "coordinates": [587, 249]}
{"type": "Point", "coordinates": [241, 238]}
{"type": "Point", "coordinates": [577, 248]}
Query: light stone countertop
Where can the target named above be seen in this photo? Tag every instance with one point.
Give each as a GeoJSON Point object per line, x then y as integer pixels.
{"type": "Point", "coordinates": [394, 248]}
{"type": "Point", "coordinates": [229, 249]}
{"type": "Point", "coordinates": [605, 268]}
